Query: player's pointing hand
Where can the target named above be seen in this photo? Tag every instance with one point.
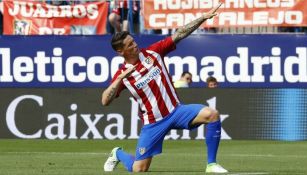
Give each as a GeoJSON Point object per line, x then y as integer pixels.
{"type": "Point", "coordinates": [212, 12]}
{"type": "Point", "coordinates": [127, 72]}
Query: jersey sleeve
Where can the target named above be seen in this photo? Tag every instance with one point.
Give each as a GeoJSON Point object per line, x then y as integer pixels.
{"type": "Point", "coordinates": [163, 47]}
{"type": "Point", "coordinates": [121, 86]}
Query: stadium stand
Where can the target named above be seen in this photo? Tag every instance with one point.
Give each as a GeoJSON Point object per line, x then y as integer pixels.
{"type": "Point", "coordinates": [132, 13]}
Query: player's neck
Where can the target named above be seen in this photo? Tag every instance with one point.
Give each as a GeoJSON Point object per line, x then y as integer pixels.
{"type": "Point", "coordinates": [132, 59]}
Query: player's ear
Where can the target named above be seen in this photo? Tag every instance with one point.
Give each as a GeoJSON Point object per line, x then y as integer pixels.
{"type": "Point", "coordinates": [120, 52]}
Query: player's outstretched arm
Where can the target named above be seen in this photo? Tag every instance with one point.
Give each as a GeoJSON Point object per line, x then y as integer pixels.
{"type": "Point", "coordinates": [186, 30]}
{"type": "Point", "coordinates": [109, 94]}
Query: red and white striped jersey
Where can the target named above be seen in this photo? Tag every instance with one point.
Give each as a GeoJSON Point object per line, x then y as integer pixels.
{"type": "Point", "coordinates": [151, 84]}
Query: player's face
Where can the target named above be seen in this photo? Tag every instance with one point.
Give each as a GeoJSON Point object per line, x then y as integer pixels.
{"type": "Point", "coordinates": [212, 84]}
{"type": "Point", "coordinates": [130, 47]}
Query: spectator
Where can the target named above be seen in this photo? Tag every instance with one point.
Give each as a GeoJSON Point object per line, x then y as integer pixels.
{"type": "Point", "coordinates": [118, 16]}
{"type": "Point", "coordinates": [211, 82]}
{"type": "Point", "coordinates": [57, 3]}
{"type": "Point", "coordinates": [184, 81]}
{"type": "Point", "coordinates": [75, 2]}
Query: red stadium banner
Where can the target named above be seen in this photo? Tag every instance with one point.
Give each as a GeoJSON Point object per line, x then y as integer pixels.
{"type": "Point", "coordinates": [233, 13]}
{"type": "Point", "coordinates": [35, 18]}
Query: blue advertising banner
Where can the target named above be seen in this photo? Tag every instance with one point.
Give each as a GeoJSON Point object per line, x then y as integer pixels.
{"type": "Point", "coordinates": [264, 61]}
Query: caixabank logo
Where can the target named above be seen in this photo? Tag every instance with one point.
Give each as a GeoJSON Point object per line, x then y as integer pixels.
{"type": "Point", "coordinates": [108, 126]}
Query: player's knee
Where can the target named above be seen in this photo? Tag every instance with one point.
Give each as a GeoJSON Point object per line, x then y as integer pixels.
{"type": "Point", "coordinates": [211, 115]}
{"type": "Point", "coordinates": [140, 168]}
{"type": "Point", "coordinates": [215, 116]}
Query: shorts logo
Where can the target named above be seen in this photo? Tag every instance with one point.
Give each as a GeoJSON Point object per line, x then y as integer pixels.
{"type": "Point", "coordinates": [21, 27]}
{"type": "Point", "coordinates": [148, 60]}
{"type": "Point", "coordinates": [142, 150]}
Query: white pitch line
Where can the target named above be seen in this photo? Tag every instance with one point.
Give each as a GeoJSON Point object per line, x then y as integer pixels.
{"type": "Point", "coordinates": [185, 154]}
{"type": "Point", "coordinates": [65, 153]}
{"type": "Point", "coordinates": [265, 155]}
{"type": "Point", "coordinates": [250, 173]}
{"type": "Point", "coordinates": [242, 155]}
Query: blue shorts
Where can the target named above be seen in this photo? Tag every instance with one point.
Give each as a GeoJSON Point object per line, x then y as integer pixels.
{"type": "Point", "coordinates": [152, 135]}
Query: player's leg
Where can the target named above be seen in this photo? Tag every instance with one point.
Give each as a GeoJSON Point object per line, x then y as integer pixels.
{"type": "Point", "coordinates": [142, 165]}
{"type": "Point", "coordinates": [205, 115]}
{"type": "Point", "coordinates": [130, 164]}
{"type": "Point", "coordinates": [193, 115]}
{"type": "Point", "coordinates": [210, 117]}
{"type": "Point", "coordinates": [112, 161]}
{"type": "Point", "coordinates": [126, 159]}
{"type": "Point", "coordinates": [149, 144]}
{"type": "Point", "coordinates": [119, 155]}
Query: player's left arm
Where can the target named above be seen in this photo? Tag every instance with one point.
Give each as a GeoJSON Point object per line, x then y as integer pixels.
{"type": "Point", "coordinates": [186, 30]}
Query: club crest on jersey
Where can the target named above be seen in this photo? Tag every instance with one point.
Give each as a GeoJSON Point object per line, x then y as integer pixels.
{"type": "Point", "coordinates": [148, 60]}
{"type": "Point", "coordinates": [142, 150]}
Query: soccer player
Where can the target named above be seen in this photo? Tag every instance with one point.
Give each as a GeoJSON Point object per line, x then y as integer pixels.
{"type": "Point", "coordinates": [184, 81]}
{"type": "Point", "coordinates": [144, 74]}
{"type": "Point", "coordinates": [212, 82]}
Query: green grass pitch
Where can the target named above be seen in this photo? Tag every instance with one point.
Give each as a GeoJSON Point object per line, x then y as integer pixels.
{"type": "Point", "coordinates": [81, 157]}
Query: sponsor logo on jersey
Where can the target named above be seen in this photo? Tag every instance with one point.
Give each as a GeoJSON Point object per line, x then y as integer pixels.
{"type": "Point", "coordinates": [152, 74]}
